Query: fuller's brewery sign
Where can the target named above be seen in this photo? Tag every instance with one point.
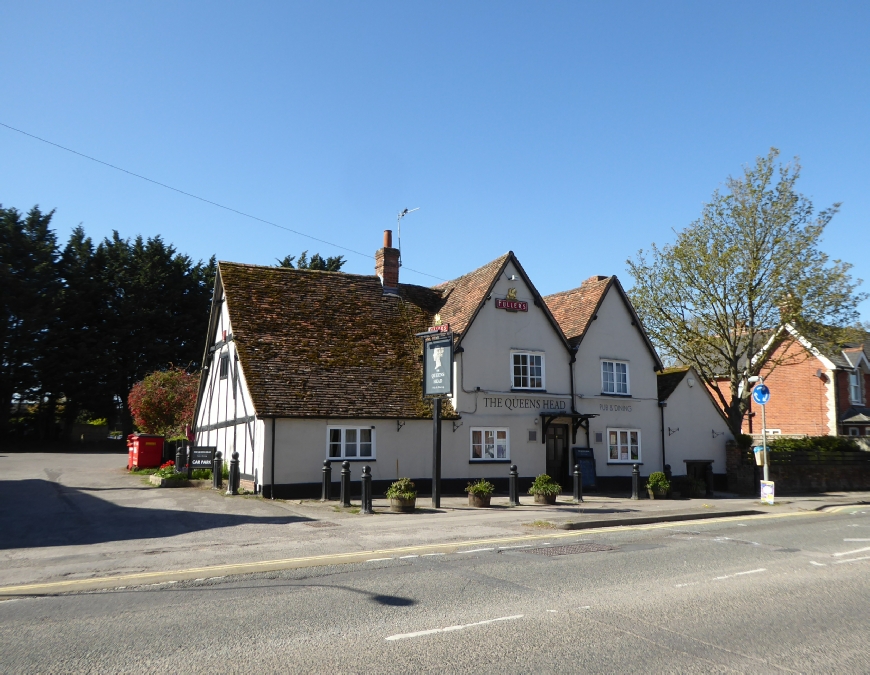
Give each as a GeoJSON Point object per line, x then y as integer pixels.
{"type": "Point", "coordinates": [510, 303]}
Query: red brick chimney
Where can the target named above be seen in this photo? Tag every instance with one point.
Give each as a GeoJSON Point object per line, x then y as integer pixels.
{"type": "Point", "coordinates": [387, 262]}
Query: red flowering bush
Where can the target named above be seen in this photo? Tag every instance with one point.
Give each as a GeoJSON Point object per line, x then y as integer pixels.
{"type": "Point", "coordinates": [164, 402]}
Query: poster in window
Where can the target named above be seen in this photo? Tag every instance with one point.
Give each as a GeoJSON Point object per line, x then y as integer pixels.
{"type": "Point", "coordinates": [438, 367]}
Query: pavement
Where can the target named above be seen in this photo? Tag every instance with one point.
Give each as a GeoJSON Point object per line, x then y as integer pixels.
{"type": "Point", "coordinates": [80, 521]}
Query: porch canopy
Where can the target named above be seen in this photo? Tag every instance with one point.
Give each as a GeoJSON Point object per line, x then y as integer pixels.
{"type": "Point", "coordinates": [577, 420]}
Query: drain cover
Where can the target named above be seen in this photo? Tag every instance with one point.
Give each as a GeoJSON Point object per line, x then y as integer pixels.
{"type": "Point", "coordinates": [320, 523]}
{"type": "Point", "coordinates": [570, 549]}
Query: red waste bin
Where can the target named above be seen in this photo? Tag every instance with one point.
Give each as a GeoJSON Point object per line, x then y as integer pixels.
{"type": "Point", "coordinates": [145, 451]}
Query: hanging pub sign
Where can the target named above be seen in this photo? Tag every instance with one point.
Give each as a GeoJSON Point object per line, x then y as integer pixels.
{"type": "Point", "coordinates": [510, 303]}
{"type": "Point", "coordinates": [438, 366]}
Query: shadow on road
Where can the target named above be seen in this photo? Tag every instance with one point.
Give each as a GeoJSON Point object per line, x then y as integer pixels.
{"type": "Point", "coordinates": [38, 513]}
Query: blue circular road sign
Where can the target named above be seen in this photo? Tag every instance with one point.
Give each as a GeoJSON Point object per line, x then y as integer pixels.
{"type": "Point", "coordinates": [761, 394]}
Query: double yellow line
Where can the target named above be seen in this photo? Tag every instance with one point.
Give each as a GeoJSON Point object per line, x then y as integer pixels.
{"type": "Point", "coordinates": [145, 578]}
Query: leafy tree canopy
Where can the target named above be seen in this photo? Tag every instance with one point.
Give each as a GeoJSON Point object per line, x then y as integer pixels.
{"type": "Point", "coordinates": [331, 264]}
{"type": "Point", "coordinates": [720, 297]}
{"type": "Point", "coordinates": [164, 402]}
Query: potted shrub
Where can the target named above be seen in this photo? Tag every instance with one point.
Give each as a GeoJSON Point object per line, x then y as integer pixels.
{"type": "Point", "coordinates": [480, 493]}
{"type": "Point", "coordinates": [545, 489]}
{"type": "Point", "coordinates": [658, 485]}
{"type": "Point", "coordinates": [402, 495]}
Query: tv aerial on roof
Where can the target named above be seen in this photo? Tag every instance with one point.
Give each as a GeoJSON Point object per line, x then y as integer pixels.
{"type": "Point", "coordinates": [401, 215]}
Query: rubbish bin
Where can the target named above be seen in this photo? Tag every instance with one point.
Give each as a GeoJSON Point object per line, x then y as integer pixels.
{"type": "Point", "coordinates": [145, 451]}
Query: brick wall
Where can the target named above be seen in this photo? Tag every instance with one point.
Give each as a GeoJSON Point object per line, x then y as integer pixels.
{"type": "Point", "coordinates": [798, 399]}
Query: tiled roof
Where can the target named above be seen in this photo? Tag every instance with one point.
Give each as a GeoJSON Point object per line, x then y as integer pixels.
{"type": "Point", "coordinates": [669, 379]}
{"type": "Point", "coordinates": [328, 344]}
{"type": "Point", "coordinates": [463, 296]}
{"type": "Point", "coordinates": [573, 309]}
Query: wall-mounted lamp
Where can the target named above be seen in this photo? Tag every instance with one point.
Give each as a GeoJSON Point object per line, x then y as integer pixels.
{"type": "Point", "coordinates": [671, 432]}
{"type": "Point", "coordinates": [536, 420]}
{"type": "Point", "coordinates": [399, 425]}
{"type": "Point", "coordinates": [715, 434]}
{"type": "Point", "coordinates": [456, 425]}
{"type": "Point", "coordinates": [691, 381]}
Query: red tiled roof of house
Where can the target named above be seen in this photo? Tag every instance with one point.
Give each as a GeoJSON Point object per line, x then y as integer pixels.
{"type": "Point", "coordinates": [573, 309]}
{"type": "Point", "coordinates": [463, 296]}
{"type": "Point", "coordinates": [328, 344]}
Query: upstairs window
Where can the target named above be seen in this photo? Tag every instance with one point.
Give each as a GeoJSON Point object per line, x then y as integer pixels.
{"type": "Point", "coordinates": [614, 378]}
{"type": "Point", "coordinates": [527, 370]}
{"type": "Point", "coordinates": [225, 366]}
{"type": "Point", "coordinates": [855, 386]}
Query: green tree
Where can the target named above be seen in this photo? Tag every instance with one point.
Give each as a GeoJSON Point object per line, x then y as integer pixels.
{"type": "Point", "coordinates": [29, 286]}
{"type": "Point", "coordinates": [331, 264]}
{"type": "Point", "coordinates": [720, 297]}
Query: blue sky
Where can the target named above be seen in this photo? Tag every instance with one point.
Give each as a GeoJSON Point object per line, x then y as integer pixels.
{"type": "Point", "coordinates": [571, 133]}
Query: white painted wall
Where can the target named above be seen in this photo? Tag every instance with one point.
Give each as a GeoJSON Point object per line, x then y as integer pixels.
{"type": "Point", "coordinates": [612, 336]}
{"type": "Point", "coordinates": [222, 402]}
{"type": "Point", "coordinates": [692, 411]}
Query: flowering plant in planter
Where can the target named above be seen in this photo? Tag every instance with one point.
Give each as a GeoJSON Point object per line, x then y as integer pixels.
{"type": "Point", "coordinates": [480, 492]}
{"type": "Point", "coordinates": [402, 495]}
{"type": "Point", "coordinates": [545, 489]}
{"type": "Point", "coordinates": [482, 487]}
{"type": "Point", "coordinates": [658, 484]}
{"type": "Point", "coordinates": [167, 470]}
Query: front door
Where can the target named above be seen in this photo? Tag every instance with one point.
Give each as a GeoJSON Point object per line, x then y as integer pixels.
{"type": "Point", "coordinates": [557, 454]}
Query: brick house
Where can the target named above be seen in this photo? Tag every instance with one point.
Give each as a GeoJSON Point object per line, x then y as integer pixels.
{"type": "Point", "coordinates": [815, 393]}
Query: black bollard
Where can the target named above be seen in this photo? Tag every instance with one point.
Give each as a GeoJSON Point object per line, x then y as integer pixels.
{"type": "Point", "coordinates": [366, 480]}
{"type": "Point", "coordinates": [345, 483]}
{"type": "Point", "coordinates": [668, 472]}
{"type": "Point", "coordinates": [189, 456]}
{"type": "Point", "coordinates": [327, 481]}
{"type": "Point", "coordinates": [512, 486]}
{"type": "Point", "coordinates": [635, 474]}
{"type": "Point", "coordinates": [708, 474]}
{"type": "Point", "coordinates": [233, 481]}
{"type": "Point", "coordinates": [578, 484]}
{"type": "Point", "coordinates": [217, 471]}
{"type": "Point", "coordinates": [180, 457]}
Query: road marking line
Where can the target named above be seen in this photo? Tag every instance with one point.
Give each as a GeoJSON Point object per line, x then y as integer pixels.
{"type": "Point", "coordinates": [505, 548]}
{"type": "Point", "coordinates": [405, 557]}
{"type": "Point", "coordinates": [258, 566]}
{"type": "Point", "coordinates": [692, 583]}
{"type": "Point", "coordinates": [585, 607]}
{"type": "Point", "coordinates": [377, 559]}
{"type": "Point", "coordinates": [477, 550]}
{"type": "Point", "coordinates": [840, 562]}
{"type": "Point", "coordinates": [817, 564]}
{"type": "Point", "coordinates": [857, 550]}
{"type": "Point", "coordinates": [426, 555]}
{"type": "Point", "coordinates": [740, 574]}
{"type": "Point", "coordinates": [448, 629]}
{"type": "Point", "coordinates": [856, 540]}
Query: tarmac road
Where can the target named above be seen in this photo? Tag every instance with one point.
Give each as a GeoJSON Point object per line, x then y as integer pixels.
{"type": "Point", "coordinates": [747, 595]}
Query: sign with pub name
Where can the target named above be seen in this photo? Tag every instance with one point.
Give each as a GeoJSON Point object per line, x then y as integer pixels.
{"type": "Point", "coordinates": [438, 366]}
{"type": "Point", "coordinates": [510, 303]}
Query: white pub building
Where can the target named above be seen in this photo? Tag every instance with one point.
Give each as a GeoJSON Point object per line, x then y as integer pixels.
{"type": "Point", "coordinates": [304, 366]}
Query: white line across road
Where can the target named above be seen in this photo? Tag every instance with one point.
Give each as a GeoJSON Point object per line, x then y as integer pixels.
{"type": "Point", "coordinates": [449, 629]}
{"type": "Point", "coordinates": [851, 560]}
{"type": "Point", "coordinates": [727, 576]}
{"type": "Point", "coordinates": [857, 550]}
{"type": "Point", "coordinates": [856, 540]}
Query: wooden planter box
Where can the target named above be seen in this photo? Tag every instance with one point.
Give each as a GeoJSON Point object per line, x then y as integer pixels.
{"type": "Point", "coordinates": [545, 499]}
{"type": "Point", "coordinates": [480, 501]}
{"type": "Point", "coordinates": [402, 505]}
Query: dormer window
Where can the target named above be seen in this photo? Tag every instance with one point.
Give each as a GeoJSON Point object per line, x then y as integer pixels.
{"type": "Point", "coordinates": [855, 386]}
{"type": "Point", "coordinates": [614, 378]}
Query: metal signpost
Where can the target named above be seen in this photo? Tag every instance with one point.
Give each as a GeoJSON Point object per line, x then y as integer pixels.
{"type": "Point", "coordinates": [761, 395]}
{"type": "Point", "coordinates": [437, 383]}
